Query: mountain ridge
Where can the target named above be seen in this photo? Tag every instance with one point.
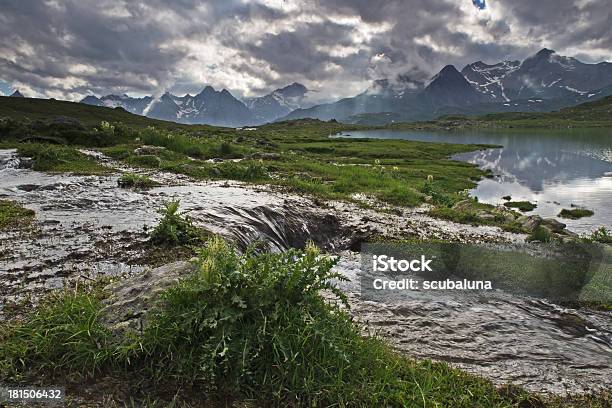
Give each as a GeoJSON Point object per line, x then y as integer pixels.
{"type": "Point", "coordinates": [209, 106]}
{"type": "Point", "coordinates": [542, 82]}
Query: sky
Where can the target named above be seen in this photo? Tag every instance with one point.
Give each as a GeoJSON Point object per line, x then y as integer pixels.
{"type": "Point", "coordinates": [336, 48]}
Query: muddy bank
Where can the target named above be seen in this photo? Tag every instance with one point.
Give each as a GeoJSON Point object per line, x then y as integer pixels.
{"type": "Point", "coordinates": [87, 226]}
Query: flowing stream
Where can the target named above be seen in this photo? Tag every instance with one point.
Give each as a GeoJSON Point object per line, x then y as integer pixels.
{"type": "Point", "coordinates": [86, 225]}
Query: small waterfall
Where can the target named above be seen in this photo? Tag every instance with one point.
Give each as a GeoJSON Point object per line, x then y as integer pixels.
{"type": "Point", "coordinates": [9, 159]}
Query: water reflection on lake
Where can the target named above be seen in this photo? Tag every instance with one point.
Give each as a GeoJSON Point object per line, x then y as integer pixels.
{"type": "Point", "coordinates": [555, 169]}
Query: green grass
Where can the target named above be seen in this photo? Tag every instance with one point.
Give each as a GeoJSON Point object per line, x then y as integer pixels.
{"type": "Point", "coordinates": [601, 235]}
{"type": "Point", "coordinates": [63, 332]}
{"type": "Point", "coordinates": [60, 159]}
{"type": "Point", "coordinates": [305, 159]}
{"type": "Point", "coordinates": [523, 206]}
{"type": "Point", "coordinates": [575, 213]}
{"type": "Point", "coordinates": [242, 327]}
{"type": "Point", "coordinates": [13, 215]}
{"type": "Point", "coordinates": [131, 180]}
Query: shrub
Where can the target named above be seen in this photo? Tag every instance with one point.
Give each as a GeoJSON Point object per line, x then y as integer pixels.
{"type": "Point", "coordinates": [175, 228]}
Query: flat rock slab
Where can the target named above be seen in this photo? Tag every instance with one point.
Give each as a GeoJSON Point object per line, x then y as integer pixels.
{"type": "Point", "coordinates": [130, 300]}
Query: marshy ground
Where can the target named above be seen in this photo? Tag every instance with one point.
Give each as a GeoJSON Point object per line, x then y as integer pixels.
{"type": "Point", "coordinates": [96, 201]}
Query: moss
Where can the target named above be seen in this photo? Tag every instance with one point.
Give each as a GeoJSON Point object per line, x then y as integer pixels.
{"type": "Point", "coordinates": [575, 213]}
{"type": "Point", "coordinates": [523, 206]}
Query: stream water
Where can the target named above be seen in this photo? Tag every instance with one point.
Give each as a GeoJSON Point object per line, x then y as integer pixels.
{"type": "Point", "coordinates": [86, 225]}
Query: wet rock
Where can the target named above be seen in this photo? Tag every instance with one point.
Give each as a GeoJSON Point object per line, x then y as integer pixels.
{"type": "Point", "coordinates": [28, 187]}
{"type": "Point", "coordinates": [25, 163]}
{"type": "Point", "coordinates": [507, 198]}
{"type": "Point", "coordinates": [131, 299]}
{"type": "Point", "coordinates": [553, 225]}
{"type": "Point", "coordinates": [147, 150]}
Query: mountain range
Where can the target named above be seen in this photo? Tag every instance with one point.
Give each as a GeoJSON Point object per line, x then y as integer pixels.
{"type": "Point", "coordinates": [542, 82]}
{"type": "Point", "coordinates": [219, 108]}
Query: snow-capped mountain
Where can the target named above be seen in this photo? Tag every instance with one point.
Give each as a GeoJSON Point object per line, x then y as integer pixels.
{"type": "Point", "coordinates": [544, 75]}
{"type": "Point", "coordinates": [279, 103]}
{"type": "Point", "coordinates": [545, 81]}
{"type": "Point", "coordinates": [488, 79]}
{"type": "Point", "coordinates": [133, 105]}
{"type": "Point", "coordinates": [219, 108]}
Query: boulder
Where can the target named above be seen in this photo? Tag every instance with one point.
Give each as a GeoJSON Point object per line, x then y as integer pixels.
{"type": "Point", "coordinates": [463, 205]}
{"type": "Point", "coordinates": [553, 225]}
{"type": "Point", "coordinates": [146, 150]}
{"type": "Point", "coordinates": [126, 308]}
{"type": "Point", "coordinates": [530, 222]}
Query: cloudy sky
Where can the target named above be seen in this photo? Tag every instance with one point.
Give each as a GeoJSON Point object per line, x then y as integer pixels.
{"type": "Point", "coordinates": [67, 49]}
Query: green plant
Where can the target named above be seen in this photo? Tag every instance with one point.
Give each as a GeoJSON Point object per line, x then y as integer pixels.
{"type": "Point", "coordinates": [438, 197]}
{"type": "Point", "coordinates": [175, 228]}
{"type": "Point", "coordinates": [601, 235]}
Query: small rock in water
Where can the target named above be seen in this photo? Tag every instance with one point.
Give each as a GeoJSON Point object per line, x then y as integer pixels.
{"type": "Point", "coordinates": [28, 187]}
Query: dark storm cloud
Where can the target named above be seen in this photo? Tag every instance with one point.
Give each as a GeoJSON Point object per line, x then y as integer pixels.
{"type": "Point", "coordinates": [71, 48]}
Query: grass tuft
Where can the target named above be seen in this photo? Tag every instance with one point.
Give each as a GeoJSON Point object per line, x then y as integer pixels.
{"type": "Point", "coordinates": [129, 180]}
{"type": "Point", "coordinates": [13, 215]}
{"type": "Point", "coordinates": [60, 159]}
